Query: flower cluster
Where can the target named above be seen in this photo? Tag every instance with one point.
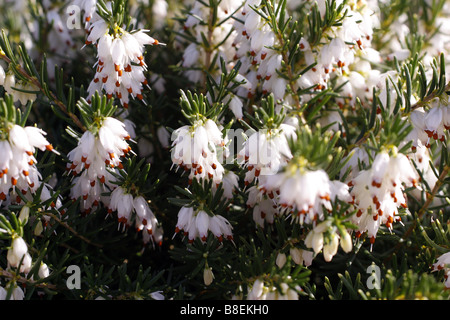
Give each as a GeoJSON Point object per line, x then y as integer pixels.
{"type": "Point", "coordinates": [124, 203]}
{"type": "Point", "coordinates": [254, 43]}
{"type": "Point", "coordinates": [197, 223]}
{"type": "Point", "coordinates": [97, 152]}
{"type": "Point", "coordinates": [17, 159]}
{"type": "Point", "coordinates": [120, 66]}
{"type": "Point", "coordinates": [379, 191]}
{"type": "Point", "coordinates": [198, 149]}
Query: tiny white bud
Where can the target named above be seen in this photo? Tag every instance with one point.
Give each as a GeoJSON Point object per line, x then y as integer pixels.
{"type": "Point", "coordinates": [208, 276]}
{"type": "Point", "coordinates": [281, 260]}
{"type": "Point", "coordinates": [24, 214]}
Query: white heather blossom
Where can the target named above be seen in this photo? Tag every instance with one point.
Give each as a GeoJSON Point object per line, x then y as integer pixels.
{"type": "Point", "coordinates": [18, 254]}
{"type": "Point", "coordinates": [125, 205]}
{"type": "Point", "coordinates": [120, 66]}
{"type": "Point", "coordinates": [17, 161]}
{"type": "Point", "coordinates": [93, 156]}
{"type": "Point", "coordinates": [379, 191]}
{"type": "Point", "coordinates": [196, 149]}
{"type": "Point", "coordinates": [305, 191]}
{"type": "Point", "coordinates": [198, 223]}
{"type": "Point", "coordinates": [266, 151]}
{"type": "Point", "coordinates": [324, 236]}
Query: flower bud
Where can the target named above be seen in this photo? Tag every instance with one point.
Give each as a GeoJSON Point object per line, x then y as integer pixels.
{"type": "Point", "coordinates": [281, 260]}
{"type": "Point", "coordinates": [44, 271]}
{"type": "Point", "coordinates": [208, 276]}
{"type": "Point", "coordinates": [346, 242]}
{"type": "Point", "coordinates": [330, 249]}
{"type": "Point", "coordinates": [24, 214]}
{"type": "Point", "coordinates": [296, 255]}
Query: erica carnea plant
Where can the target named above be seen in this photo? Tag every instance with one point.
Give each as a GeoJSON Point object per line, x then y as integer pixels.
{"type": "Point", "coordinates": [224, 149]}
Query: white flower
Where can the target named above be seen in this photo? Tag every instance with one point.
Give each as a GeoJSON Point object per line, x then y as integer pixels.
{"type": "Point", "coordinates": [122, 202]}
{"type": "Point", "coordinates": [18, 253]}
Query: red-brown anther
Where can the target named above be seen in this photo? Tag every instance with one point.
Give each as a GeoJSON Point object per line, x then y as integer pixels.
{"type": "Point", "coordinates": [375, 217]}
{"type": "Point", "coordinates": [130, 90]}
{"type": "Point", "coordinates": [13, 181]}
{"type": "Point", "coordinates": [149, 231]}
{"type": "Point", "coordinates": [200, 169]}
{"type": "Point", "coordinates": [87, 165]}
{"type": "Point", "coordinates": [359, 213]}
{"type": "Point", "coordinates": [116, 67]}
{"type": "Point", "coordinates": [18, 199]}
{"type": "Point", "coordinates": [252, 53]}
{"type": "Point", "coordinates": [263, 215]}
{"type": "Point", "coordinates": [87, 42]}
{"type": "Point", "coordinates": [92, 183]}
{"type": "Point", "coordinates": [372, 240]}
{"type": "Point", "coordinates": [271, 196]}
{"type": "Point", "coordinates": [96, 80]}
{"type": "Point", "coordinates": [120, 165]}
{"type": "Point", "coordinates": [2, 196]}
{"type": "Point", "coordinates": [210, 175]}
{"type": "Point", "coordinates": [376, 184]}
{"type": "Point", "coordinates": [357, 234]}
{"type": "Point", "coordinates": [31, 185]}
{"type": "Point", "coordinates": [102, 179]}
{"type": "Point", "coordinates": [117, 84]}
{"type": "Point", "coordinates": [404, 205]}
{"type": "Point", "coordinates": [214, 166]}
{"type": "Point", "coordinates": [263, 55]}
{"type": "Point", "coordinates": [109, 95]}
{"type": "Point", "coordinates": [257, 172]}
{"type": "Point", "coordinates": [268, 77]}
{"type": "Point", "coordinates": [140, 96]}
{"type": "Point", "coordinates": [85, 196]}
{"type": "Point", "coordinates": [104, 79]}
{"type": "Point", "coordinates": [359, 43]}
{"type": "Point", "coordinates": [23, 191]}
{"type": "Point", "coordinates": [25, 173]}
{"type": "Point", "coordinates": [95, 203]}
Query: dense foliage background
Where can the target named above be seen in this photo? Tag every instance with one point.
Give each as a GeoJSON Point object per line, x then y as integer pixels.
{"type": "Point", "coordinates": [350, 99]}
